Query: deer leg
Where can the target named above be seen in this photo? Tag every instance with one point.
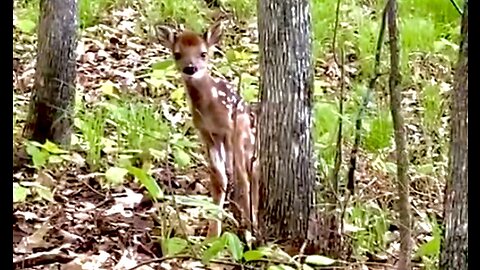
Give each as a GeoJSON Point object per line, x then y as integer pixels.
{"type": "Point", "coordinates": [218, 182]}
{"type": "Point", "coordinates": [242, 181]}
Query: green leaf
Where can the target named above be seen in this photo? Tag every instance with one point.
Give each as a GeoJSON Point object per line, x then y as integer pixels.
{"type": "Point", "coordinates": [44, 193]}
{"type": "Point", "coordinates": [429, 248]}
{"type": "Point", "coordinates": [116, 175]}
{"type": "Point", "coordinates": [319, 260]}
{"type": "Point", "coordinates": [174, 245]}
{"type": "Point", "coordinates": [230, 55]}
{"type": "Point", "coordinates": [26, 26]}
{"type": "Point", "coordinates": [19, 193]}
{"type": "Point", "coordinates": [39, 157]}
{"type": "Point", "coordinates": [147, 181]}
{"type": "Point", "coordinates": [250, 93]}
{"type": "Point", "coordinates": [253, 255]}
{"type": "Point", "coordinates": [177, 95]}
{"type": "Point", "coordinates": [182, 158]}
{"type": "Point", "coordinates": [213, 251]}
{"type": "Point", "coordinates": [162, 65]}
{"type": "Point", "coordinates": [234, 245]}
{"type": "Point", "coordinates": [53, 148]}
{"type": "Point", "coordinates": [109, 89]}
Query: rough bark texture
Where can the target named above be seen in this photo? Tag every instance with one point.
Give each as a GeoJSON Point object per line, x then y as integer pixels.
{"type": "Point", "coordinates": [53, 97]}
{"type": "Point", "coordinates": [454, 253]}
{"type": "Point", "coordinates": [285, 122]}
{"type": "Point", "coordinates": [400, 140]}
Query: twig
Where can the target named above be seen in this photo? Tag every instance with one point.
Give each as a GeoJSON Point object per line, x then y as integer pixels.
{"type": "Point", "coordinates": [400, 140]}
{"type": "Point", "coordinates": [338, 152]}
{"type": "Point", "coordinates": [366, 98]}
{"type": "Point", "coordinates": [42, 259]}
{"type": "Point", "coordinates": [456, 7]}
{"type": "Point", "coordinates": [335, 29]}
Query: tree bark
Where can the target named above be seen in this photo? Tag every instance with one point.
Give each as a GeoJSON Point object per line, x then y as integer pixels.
{"type": "Point", "coordinates": [454, 254]}
{"type": "Point", "coordinates": [53, 97]}
{"type": "Point", "coordinates": [400, 140]}
{"type": "Point", "coordinates": [285, 122]}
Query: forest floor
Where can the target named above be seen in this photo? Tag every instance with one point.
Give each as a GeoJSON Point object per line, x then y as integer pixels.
{"type": "Point", "coordinates": [86, 208]}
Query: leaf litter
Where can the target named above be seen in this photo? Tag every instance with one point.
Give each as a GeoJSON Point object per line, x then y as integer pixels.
{"type": "Point", "coordinates": [87, 229]}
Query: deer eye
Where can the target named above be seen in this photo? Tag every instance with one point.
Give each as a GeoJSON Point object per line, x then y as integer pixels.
{"type": "Point", "coordinates": [203, 55]}
{"type": "Point", "coordinates": [177, 56]}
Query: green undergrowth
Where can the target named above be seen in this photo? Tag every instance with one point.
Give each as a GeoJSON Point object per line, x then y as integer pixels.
{"type": "Point", "coordinates": [124, 136]}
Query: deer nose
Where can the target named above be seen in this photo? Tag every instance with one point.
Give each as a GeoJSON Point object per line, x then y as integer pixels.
{"type": "Point", "coordinates": [190, 70]}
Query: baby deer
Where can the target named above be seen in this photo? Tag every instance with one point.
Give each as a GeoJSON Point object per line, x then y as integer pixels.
{"type": "Point", "coordinates": [224, 121]}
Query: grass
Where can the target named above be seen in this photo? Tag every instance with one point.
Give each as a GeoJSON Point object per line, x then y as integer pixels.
{"type": "Point", "coordinates": [373, 223]}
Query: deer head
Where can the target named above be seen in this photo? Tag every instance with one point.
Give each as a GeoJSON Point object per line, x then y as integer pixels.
{"type": "Point", "coordinates": [190, 50]}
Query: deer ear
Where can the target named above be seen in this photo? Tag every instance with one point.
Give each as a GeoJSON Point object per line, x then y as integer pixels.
{"type": "Point", "coordinates": [166, 36]}
{"type": "Point", "coordinates": [213, 34]}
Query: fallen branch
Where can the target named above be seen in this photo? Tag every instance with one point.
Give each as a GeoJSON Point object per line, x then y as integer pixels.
{"type": "Point", "coordinates": [43, 258]}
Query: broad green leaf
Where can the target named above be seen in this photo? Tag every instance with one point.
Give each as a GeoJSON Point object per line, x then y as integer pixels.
{"type": "Point", "coordinates": [215, 249]}
{"type": "Point", "coordinates": [182, 158]}
{"type": "Point", "coordinates": [53, 148]}
{"type": "Point", "coordinates": [253, 255]}
{"type": "Point", "coordinates": [230, 55]}
{"type": "Point", "coordinates": [249, 93]}
{"type": "Point", "coordinates": [234, 245]}
{"type": "Point", "coordinates": [147, 181]}
{"type": "Point", "coordinates": [39, 157]}
{"type": "Point", "coordinates": [109, 89]}
{"type": "Point", "coordinates": [177, 95]}
{"type": "Point", "coordinates": [429, 248]}
{"type": "Point", "coordinates": [174, 245]}
{"type": "Point", "coordinates": [116, 175]}
{"type": "Point", "coordinates": [26, 26]}
{"type": "Point", "coordinates": [319, 260]}
{"type": "Point", "coordinates": [45, 193]}
{"type": "Point", "coordinates": [19, 193]}
{"type": "Point", "coordinates": [164, 64]}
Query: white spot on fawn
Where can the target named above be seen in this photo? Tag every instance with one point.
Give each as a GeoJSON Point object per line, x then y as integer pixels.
{"type": "Point", "coordinates": [214, 92]}
{"type": "Point", "coordinates": [221, 93]}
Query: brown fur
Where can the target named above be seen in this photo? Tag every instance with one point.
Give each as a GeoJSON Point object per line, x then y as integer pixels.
{"type": "Point", "coordinates": [229, 141]}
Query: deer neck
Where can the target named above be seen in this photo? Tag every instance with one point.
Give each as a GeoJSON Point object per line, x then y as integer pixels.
{"type": "Point", "coordinates": [201, 91]}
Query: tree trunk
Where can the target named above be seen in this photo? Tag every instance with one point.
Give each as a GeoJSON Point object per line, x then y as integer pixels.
{"type": "Point", "coordinates": [53, 97]}
{"type": "Point", "coordinates": [454, 253]}
{"type": "Point", "coordinates": [285, 122]}
{"type": "Point", "coordinates": [400, 140]}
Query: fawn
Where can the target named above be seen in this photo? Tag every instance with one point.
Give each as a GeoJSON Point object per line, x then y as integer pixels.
{"type": "Point", "coordinates": [224, 121]}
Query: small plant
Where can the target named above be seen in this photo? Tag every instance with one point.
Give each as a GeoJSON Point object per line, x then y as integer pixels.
{"type": "Point", "coordinates": [432, 104]}
{"type": "Point", "coordinates": [91, 11]}
{"type": "Point", "coordinates": [374, 224]}
{"type": "Point", "coordinates": [91, 123]}
{"type": "Point", "coordinates": [430, 250]}
{"type": "Point", "coordinates": [379, 131]}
